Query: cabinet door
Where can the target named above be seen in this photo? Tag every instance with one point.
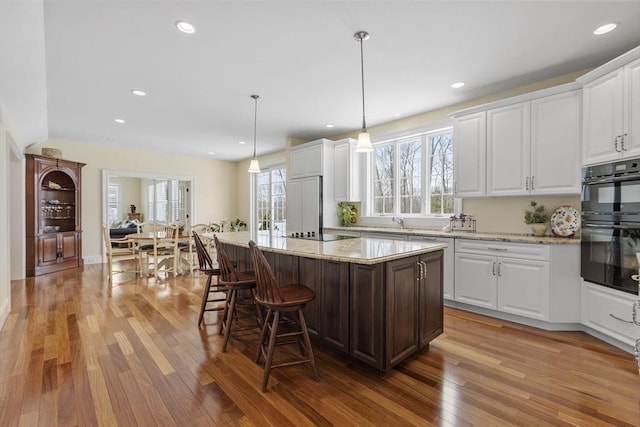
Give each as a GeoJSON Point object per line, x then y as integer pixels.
{"type": "Point", "coordinates": [346, 172]}
{"type": "Point", "coordinates": [476, 280]}
{"type": "Point", "coordinates": [311, 208]}
{"type": "Point", "coordinates": [367, 313]}
{"type": "Point", "coordinates": [335, 305]}
{"type": "Point", "coordinates": [448, 261]}
{"type": "Point", "coordinates": [632, 109]}
{"type": "Point", "coordinates": [523, 287]}
{"type": "Point", "coordinates": [602, 118]}
{"type": "Point", "coordinates": [508, 150]}
{"type": "Point", "coordinates": [430, 305]}
{"type": "Point", "coordinates": [609, 312]}
{"type": "Point", "coordinates": [294, 206]}
{"type": "Point", "coordinates": [306, 161]}
{"type": "Point", "coordinates": [47, 249]}
{"type": "Point", "coordinates": [401, 309]}
{"type": "Point", "coordinates": [555, 144]}
{"type": "Point", "coordinates": [469, 151]}
{"type": "Point", "coordinates": [69, 246]}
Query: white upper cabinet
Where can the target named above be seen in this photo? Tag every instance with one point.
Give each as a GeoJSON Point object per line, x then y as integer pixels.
{"type": "Point", "coordinates": [555, 144]}
{"type": "Point", "coordinates": [309, 159]}
{"type": "Point", "coordinates": [346, 171]}
{"type": "Point", "coordinates": [532, 146]}
{"type": "Point", "coordinates": [469, 149]}
{"type": "Point", "coordinates": [611, 114]}
{"type": "Point", "coordinates": [508, 147]}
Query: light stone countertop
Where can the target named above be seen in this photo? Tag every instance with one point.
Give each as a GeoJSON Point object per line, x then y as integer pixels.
{"type": "Point", "coordinates": [499, 237]}
{"type": "Point", "coordinates": [357, 250]}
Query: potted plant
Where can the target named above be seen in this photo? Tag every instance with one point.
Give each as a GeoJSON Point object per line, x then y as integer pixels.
{"type": "Point", "coordinates": [537, 217]}
{"type": "Point", "coordinates": [237, 224]}
{"type": "Point", "coordinates": [345, 213]}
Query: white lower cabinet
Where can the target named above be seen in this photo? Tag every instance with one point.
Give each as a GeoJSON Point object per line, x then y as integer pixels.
{"type": "Point", "coordinates": [511, 285]}
{"type": "Point", "coordinates": [610, 312]}
{"type": "Point", "coordinates": [531, 280]}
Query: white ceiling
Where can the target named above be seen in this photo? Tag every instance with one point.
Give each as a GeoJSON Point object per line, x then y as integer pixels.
{"type": "Point", "coordinates": [302, 59]}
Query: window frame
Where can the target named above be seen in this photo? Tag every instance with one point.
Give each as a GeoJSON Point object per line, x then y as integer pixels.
{"type": "Point", "coordinates": [425, 193]}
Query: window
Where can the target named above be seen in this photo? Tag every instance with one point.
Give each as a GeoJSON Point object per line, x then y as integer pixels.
{"type": "Point", "coordinates": [414, 175]}
{"type": "Point", "coordinates": [271, 200]}
{"type": "Point", "coordinates": [113, 203]}
{"type": "Point", "coordinates": [166, 200]}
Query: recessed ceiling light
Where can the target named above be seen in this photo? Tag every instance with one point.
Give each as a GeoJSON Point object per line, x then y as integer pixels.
{"type": "Point", "coordinates": [397, 115]}
{"type": "Point", "coordinates": [138, 92]}
{"type": "Point", "coordinates": [329, 125]}
{"type": "Point", "coordinates": [119, 121]}
{"type": "Point", "coordinates": [457, 85]}
{"type": "Point", "coordinates": [604, 29]}
{"type": "Point", "coordinates": [185, 27]}
{"type": "Point", "coordinates": [105, 138]}
{"type": "Point", "coordinates": [240, 142]}
{"type": "Point", "coordinates": [211, 153]}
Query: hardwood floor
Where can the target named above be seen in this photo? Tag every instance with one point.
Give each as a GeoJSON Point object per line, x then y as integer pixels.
{"type": "Point", "coordinates": [75, 351]}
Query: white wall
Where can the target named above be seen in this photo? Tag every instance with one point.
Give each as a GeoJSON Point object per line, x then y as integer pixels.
{"type": "Point", "coordinates": [215, 190]}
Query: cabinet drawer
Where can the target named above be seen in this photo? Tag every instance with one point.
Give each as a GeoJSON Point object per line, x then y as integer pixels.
{"type": "Point", "coordinates": [502, 249]}
{"type": "Point", "coordinates": [600, 304]}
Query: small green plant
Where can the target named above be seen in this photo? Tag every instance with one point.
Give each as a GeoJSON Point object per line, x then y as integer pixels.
{"type": "Point", "coordinates": [537, 214]}
{"type": "Point", "coordinates": [345, 213]}
{"type": "Point", "coordinates": [214, 228]}
{"type": "Point", "coordinates": [237, 224]}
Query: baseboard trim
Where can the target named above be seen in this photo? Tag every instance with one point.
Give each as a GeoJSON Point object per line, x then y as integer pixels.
{"type": "Point", "coordinates": [4, 313]}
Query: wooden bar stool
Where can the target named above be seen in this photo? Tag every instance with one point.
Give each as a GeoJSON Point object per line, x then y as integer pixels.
{"type": "Point", "coordinates": [237, 283]}
{"type": "Point", "coordinates": [205, 265]}
{"type": "Point", "coordinates": [283, 303]}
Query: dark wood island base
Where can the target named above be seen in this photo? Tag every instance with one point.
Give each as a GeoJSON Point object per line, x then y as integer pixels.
{"type": "Point", "coordinates": [377, 313]}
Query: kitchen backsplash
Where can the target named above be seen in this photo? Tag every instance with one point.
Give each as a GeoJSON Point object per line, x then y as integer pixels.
{"type": "Point", "coordinates": [506, 214]}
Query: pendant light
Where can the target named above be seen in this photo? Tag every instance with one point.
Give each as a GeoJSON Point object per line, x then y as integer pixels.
{"type": "Point", "coordinates": [364, 140]}
{"type": "Point", "coordinates": [254, 166]}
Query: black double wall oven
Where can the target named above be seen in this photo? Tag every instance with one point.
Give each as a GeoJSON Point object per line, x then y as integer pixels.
{"type": "Point", "coordinates": [610, 243]}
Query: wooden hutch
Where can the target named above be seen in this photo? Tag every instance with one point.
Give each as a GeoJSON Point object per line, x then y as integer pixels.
{"type": "Point", "coordinates": [54, 228]}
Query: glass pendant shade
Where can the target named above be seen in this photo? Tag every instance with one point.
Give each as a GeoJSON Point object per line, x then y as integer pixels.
{"type": "Point", "coordinates": [364, 142]}
{"type": "Point", "coordinates": [254, 166]}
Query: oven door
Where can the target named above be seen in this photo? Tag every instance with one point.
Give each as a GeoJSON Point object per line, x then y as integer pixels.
{"type": "Point", "coordinates": [609, 254]}
{"type": "Point", "coordinates": [619, 194]}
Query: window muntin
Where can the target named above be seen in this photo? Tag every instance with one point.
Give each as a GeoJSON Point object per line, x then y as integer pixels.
{"type": "Point", "coordinates": [113, 203]}
{"type": "Point", "coordinates": [414, 175]}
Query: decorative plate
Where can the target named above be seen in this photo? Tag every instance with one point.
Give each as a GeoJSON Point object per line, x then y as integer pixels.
{"type": "Point", "coordinates": [565, 221]}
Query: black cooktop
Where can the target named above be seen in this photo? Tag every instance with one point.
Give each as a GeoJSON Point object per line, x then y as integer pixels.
{"type": "Point", "coordinates": [320, 237]}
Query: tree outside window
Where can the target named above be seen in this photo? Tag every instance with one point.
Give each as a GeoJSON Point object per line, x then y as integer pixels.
{"type": "Point", "coordinates": [414, 175]}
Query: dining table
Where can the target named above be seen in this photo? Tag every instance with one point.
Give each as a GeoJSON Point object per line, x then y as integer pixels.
{"type": "Point", "coordinates": [146, 240]}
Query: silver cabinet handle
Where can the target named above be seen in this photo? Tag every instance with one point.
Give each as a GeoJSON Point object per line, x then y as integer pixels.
{"type": "Point", "coordinates": [620, 319]}
{"type": "Point", "coordinates": [622, 142]}
{"type": "Point", "coordinates": [493, 269]}
{"type": "Point", "coordinates": [615, 144]}
{"type": "Point", "coordinates": [526, 185]}
{"type": "Point", "coordinates": [499, 269]}
{"type": "Point", "coordinates": [489, 248]}
{"type": "Point", "coordinates": [532, 181]}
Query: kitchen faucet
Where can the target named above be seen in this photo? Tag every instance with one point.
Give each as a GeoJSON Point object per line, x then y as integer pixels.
{"type": "Point", "coordinates": [398, 220]}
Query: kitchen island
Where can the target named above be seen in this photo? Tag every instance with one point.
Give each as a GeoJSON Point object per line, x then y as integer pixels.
{"type": "Point", "coordinates": [378, 301]}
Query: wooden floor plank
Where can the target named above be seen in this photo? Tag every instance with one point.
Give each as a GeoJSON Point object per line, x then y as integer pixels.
{"type": "Point", "coordinates": [76, 351]}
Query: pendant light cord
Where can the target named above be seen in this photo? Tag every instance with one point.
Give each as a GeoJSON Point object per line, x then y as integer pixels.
{"type": "Point", "coordinates": [364, 123]}
{"type": "Point", "coordinates": [255, 124]}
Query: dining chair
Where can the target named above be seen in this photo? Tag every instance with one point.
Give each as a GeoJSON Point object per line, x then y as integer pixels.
{"type": "Point", "coordinates": [124, 251]}
{"type": "Point", "coordinates": [238, 284]}
{"type": "Point", "coordinates": [187, 246]}
{"type": "Point", "coordinates": [284, 304]}
{"type": "Point", "coordinates": [212, 292]}
{"type": "Point", "coordinates": [163, 255]}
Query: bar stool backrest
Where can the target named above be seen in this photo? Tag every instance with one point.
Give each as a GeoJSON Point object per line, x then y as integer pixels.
{"type": "Point", "coordinates": [267, 288]}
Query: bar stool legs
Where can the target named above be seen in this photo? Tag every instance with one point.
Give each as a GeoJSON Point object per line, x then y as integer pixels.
{"type": "Point", "coordinates": [270, 326]}
{"type": "Point", "coordinates": [206, 298]}
{"type": "Point", "coordinates": [231, 308]}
